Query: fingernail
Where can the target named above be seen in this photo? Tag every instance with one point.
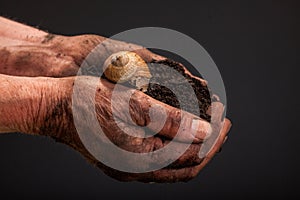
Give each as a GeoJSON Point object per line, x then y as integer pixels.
{"type": "Point", "coordinates": [202, 129]}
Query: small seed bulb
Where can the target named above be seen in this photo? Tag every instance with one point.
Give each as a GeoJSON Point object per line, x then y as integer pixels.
{"type": "Point", "coordinates": [128, 66]}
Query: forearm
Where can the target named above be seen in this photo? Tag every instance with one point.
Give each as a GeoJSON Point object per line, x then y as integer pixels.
{"type": "Point", "coordinates": [27, 51]}
{"type": "Point", "coordinates": [19, 32]}
{"type": "Point", "coordinates": [59, 57]}
{"type": "Point", "coordinates": [25, 101]}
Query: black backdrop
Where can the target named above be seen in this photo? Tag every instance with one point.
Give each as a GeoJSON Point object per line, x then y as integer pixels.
{"type": "Point", "coordinates": [255, 46]}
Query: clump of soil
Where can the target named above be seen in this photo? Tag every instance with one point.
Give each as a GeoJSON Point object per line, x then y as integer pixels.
{"type": "Point", "coordinates": [161, 74]}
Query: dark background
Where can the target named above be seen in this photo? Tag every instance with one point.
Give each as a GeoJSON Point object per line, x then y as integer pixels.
{"type": "Point", "coordinates": [255, 46]}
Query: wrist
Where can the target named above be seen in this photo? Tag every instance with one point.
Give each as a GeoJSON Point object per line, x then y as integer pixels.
{"type": "Point", "coordinates": [55, 111]}
{"type": "Point", "coordinates": [34, 105]}
{"type": "Point", "coordinates": [18, 103]}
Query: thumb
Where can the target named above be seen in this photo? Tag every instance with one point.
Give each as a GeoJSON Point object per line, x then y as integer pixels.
{"type": "Point", "coordinates": [167, 120]}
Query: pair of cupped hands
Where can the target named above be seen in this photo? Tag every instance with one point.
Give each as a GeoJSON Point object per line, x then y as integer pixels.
{"type": "Point", "coordinates": [38, 70]}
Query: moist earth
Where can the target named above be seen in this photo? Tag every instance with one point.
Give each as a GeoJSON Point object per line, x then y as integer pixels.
{"type": "Point", "coordinates": [160, 71]}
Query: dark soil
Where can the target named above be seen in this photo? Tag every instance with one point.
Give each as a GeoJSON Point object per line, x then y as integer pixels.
{"type": "Point", "coordinates": [161, 73]}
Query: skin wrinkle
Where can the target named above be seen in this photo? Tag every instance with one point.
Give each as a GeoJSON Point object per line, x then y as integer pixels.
{"type": "Point", "coordinates": [135, 106]}
{"type": "Point", "coordinates": [27, 107]}
{"type": "Point", "coordinates": [25, 96]}
{"type": "Point", "coordinates": [58, 118]}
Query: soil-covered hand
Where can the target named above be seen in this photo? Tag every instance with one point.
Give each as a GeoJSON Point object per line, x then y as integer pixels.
{"type": "Point", "coordinates": [58, 122]}
{"type": "Point", "coordinates": [50, 113]}
{"type": "Point", "coordinates": [43, 106]}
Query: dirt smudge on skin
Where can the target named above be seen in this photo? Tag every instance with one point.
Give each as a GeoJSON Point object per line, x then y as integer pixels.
{"type": "Point", "coordinates": [48, 38]}
{"type": "Point", "coordinates": [4, 54]}
{"type": "Point", "coordinates": [22, 58]}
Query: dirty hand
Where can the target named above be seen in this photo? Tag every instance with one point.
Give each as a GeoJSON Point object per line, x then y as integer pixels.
{"type": "Point", "coordinates": [43, 106]}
